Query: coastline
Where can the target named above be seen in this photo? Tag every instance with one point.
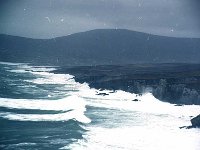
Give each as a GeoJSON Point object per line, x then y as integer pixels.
{"type": "Point", "coordinates": [174, 83]}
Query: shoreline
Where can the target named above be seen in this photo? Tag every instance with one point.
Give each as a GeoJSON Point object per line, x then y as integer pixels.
{"type": "Point", "coordinates": [174, 83]}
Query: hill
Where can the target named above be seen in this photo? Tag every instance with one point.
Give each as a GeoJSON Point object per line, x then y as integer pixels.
{"type": "Point", "coordinates": [100, 47]}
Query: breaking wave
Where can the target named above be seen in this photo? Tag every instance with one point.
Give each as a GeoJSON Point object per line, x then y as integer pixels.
{"type": "Point", "coordinates": [74, 116]}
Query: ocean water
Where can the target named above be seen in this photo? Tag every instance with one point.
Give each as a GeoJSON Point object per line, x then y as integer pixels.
{"type": "Point", "coordinates": [43, 110]}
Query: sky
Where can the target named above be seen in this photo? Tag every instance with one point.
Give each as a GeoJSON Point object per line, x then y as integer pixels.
{"type": "Point", "coordinates": [53, 18]}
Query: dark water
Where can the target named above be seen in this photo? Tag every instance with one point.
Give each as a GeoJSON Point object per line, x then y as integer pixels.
{"type": "Point", "coordinates": [42, 110]}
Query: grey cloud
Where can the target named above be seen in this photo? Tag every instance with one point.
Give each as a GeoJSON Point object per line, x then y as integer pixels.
{"type": "Point", "coordinates": [163, 17]}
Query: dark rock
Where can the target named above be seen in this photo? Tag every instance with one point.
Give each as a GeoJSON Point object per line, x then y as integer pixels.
{"type": "Point", "coordinates": [103, 94]}
{"type": "Point", "coordinates": [196, 121]}
{"type": "Point", "coordinates": [177, 91]}
{"type": "Point", "coordinates": [136, 100]}
{"type": "Point", "coordinates": [186, 127]}
{"type": "Point", "coordinates": [178, 105]}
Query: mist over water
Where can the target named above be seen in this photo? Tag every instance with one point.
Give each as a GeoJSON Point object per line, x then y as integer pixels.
{"type": "Point", "coordinates": [43, 110]}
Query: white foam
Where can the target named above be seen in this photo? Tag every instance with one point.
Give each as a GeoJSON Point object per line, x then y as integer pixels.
{"type": "Point", "coordinates": [68, 103]}
{"type": "Point", "coordinates": [11, 64]}
{"type": "Point", "coordinates": [43, 74]}
{"type": "Point", "coordinates": [114, 100]}
{"type": "Point", "coordinates": [109, 95]}
{"type": "Point", "coordinates": [18, 71]}
{"type": "Point", "coordinates": [137, 138]}
{"type": "Point", "coordinates": [51, 78]}
{"type": "Point", "coordinates": [23, 144]}
{"type": "Point", "coordinates": [147, 103]}
{"type": "Point", "coordinates": [158, 126]}
{"type": "Point", "coordinates": [73, 104]}
{"type": "Point", "coordinates": [41, 68]}
{"type": "Point", "coordinates": [75, 114]}
{"type": "Point", "coordinates": [146, 124]}
{"type": "Point", "coordinates": [25, 69]}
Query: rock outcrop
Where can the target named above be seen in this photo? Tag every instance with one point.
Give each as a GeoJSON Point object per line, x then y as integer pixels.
{"type": "Point", "coordinates": [196, 121]}
{"type": "Point", "coordinates": [174, 83]}
{"type": "Point", "coordinates": [177, 92]}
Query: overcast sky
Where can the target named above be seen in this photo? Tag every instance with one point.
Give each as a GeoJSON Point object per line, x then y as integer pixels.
{"type": "Point", "coordinates": [52, 18]}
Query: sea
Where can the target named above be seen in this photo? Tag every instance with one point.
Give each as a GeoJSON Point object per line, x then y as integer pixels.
{"type": "Point", "coordinates": [41, 110]}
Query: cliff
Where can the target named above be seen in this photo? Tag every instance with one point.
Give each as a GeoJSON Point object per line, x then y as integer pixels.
{"type": "Point", "coordinates": [174, 83]}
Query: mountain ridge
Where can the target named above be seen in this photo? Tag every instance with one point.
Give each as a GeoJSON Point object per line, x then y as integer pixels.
{"type": "Point", "coordinates": [119, 29]}
{"type": "Point", "coordinates": [101, 46]}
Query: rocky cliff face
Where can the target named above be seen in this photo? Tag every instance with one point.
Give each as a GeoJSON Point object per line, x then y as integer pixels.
{"type": "Point", "coordinates": [174, 83]}
{"type": "Point", "coordinates": [176, 93]}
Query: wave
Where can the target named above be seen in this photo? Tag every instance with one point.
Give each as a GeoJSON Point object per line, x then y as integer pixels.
{"type": "Point", "coordinates": [68, 103]}
{"type": "Point", "coordinates": [117, 121]}
{"type": "Point", "coordinates": [74, 106]}
{"type": "Point", "coordinates": [23, 68]}
{"type": "Point", "coordinates": [81, 95]}
{"type": "Point", "coordinates": [139, 125]}
{"type": "Point", "coordinates": [146, 103]}
{"type": "Point", "coordinates": [51, 78]}
{"type": "Point", "coordinates": [11, 64]}
{"type": "Point", "coordinates": [75, 114]}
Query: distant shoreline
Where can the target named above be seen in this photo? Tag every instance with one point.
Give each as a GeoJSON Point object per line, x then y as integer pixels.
{"type": "Point", "coordinates": [100, 47]}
